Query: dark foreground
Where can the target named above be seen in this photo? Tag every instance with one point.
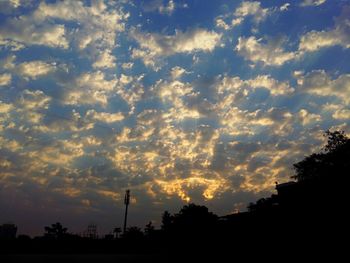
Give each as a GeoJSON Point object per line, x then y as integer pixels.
{"type": "Point", "coordinates": [82, 258]}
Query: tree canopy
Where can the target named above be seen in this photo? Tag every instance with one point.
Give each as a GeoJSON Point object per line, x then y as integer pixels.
{"type": "Point", "coordinates": [55, 231]}
{"type": "Point", "coordinates": [332, 161]}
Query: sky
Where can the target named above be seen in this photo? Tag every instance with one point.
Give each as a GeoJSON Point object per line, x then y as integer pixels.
{"type": "Point", "coordinates": [179, 101]}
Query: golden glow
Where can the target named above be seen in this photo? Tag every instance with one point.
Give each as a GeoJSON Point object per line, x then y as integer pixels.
{"type": "Point", "coordinates": [86, 202]}
{"type": "Point", "coordinates": [179, 186]}
{"type": "Point", "coordinates": [70, 191]}
{"type": "Point", "coordinates": [109, 194]}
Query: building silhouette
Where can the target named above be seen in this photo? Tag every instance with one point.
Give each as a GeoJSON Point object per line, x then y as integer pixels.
{"type": "Point", "coordinates": [91, 232]}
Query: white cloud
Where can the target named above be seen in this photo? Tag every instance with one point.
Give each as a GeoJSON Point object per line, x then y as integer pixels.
{"type": "Point", "coordinates": [153, 46]}
{"type": "Point", "coordinates": [27, 110]}
{"type": "Point", "coordinates": [8, 6]}
{"type": "Point", "coordinates": [35, 69]}
{"type": "Point", "coordinates": [98, 25]}
{"type": "Point", "coordinates": [232, 91]}
{"type": "Point", "coordinates": [177, 72]}
{"type": "Point", "coordinates": [27, 32]}
{"type": "Point", "coordinates": [125, 79]}
{"type": "Point", "coordinates": [307, 118]}
{"type": "Point", "coordinates": [316, 40]}
{"type": "Point", "coordinates": [5, 79]}
{"type": "Point", "coordinates": [94, 32]}
{"type": "Point", "coordinates": [96, 80]}
{"type": "Point", "coordinates": [149, 58]}
{"type": "Point", "coordinates": [89, 88]}
{"type": "Point", "coordinates": [157, 5]}
{"type": "Point", "coordinates": [342, 114]}
{"type": "Point", "coordinates": [271, 54]}
{"type": "Point", "coordinates": [275, 87]}
{"type": "Point", "coordinates": [74, 122]}
{"type": "Point", "coordinates": [273, 116]}
{"type": "Point", "coordinates": [277, 121]}
{"type": "Point", "coordinates": [253, 9]}
{"type": "Point", "coordinates": [130, 89]}
{"type": "Point", "coordinates": [61, 152]}
{"type": "Point", "coordinates": [246, 9]}
{"type": "Point", "coordinates": [168, 9]}
{"type": "Point", "coordinates": [105, 60]}
{"type": "Point", "coordinates": [180, 99]}
{"type": "Point", "coordinates": [33, 100]}
{"type": "Point", "coordinates": [104, 116]}
{"type": "Point", "coordinates": [30, 106]}
{"type": "Point", "coordinates": [318, 82]}
{"type": "Point", "coordinates": [5, 107]}
{"type": "Point", "coordinates": [11, 6]}
{"type": "Point", "coordinates": [221, 23]}
{"type": "Point", "coordinates": [339, 35]}
{"type": "Point", "coordinates": [11, 44]}
{"type": "Point", "coordinates": [31, 30]}
{"type": "Point", "coordinates": [8, 62]}
{"type": "Point", "coordinates": [127, 65]}
{"type": "Point", "coordinates": [284, 7]}
{"type": "Point", "coordinates": [97, 29]}
{"type": "Point", "coordinates": [312, 2]}
{"type": "Point", "coordinates": [236, 21]}
{"type": "Point", "coordinates": [172, 91]}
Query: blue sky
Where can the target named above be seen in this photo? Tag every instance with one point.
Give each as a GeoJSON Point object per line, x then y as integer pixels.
{"type": "Point", "coordinates": [180, 101]}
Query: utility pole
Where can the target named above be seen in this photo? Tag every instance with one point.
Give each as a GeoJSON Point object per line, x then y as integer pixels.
{"type": "Point", "coordinates": [126, 202]}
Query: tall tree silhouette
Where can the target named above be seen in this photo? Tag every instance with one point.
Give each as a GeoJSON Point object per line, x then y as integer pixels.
{"type": "Point", "coordinates": [149, 229]}
{"type": "Point", "coordinates": [333, 161]}
{"type": "Point", "coordinates": [167, 220]}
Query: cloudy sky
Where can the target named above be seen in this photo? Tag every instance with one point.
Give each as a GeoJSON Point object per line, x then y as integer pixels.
{"type": "Point", "coordinates": [178, 100]}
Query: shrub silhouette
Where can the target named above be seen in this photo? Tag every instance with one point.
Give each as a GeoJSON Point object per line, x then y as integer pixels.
{"type": "Point", "coordinates": [133, 232]}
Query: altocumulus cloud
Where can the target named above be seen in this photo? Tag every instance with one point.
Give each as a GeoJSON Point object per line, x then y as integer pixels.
{"type": "Point", "coordinates": [163, 98]}
{"type": "Point", "coordinates": [153, 46]}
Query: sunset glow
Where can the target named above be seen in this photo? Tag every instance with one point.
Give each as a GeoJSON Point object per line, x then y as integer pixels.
{"type": "Point", "coordinates": [178, 101]}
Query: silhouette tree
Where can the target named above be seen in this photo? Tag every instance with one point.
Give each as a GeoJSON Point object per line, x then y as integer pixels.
{"type": "Point", "coordinates": [167, 220]}
{"type": "Point", "coordinates": [336, 140]}
{"type": "Point", "coordinates": [133, 232]}
{"type": "Point", "coordinates": [56, 231]}
{"type": "Point", "coordinates": [332, 161]}
{"type": "Point", "coordinates": [194, 221]}
{"type": "Point", "coordinates": [149, 229]}
{"type": "Point", "coordinates": [261, 204]}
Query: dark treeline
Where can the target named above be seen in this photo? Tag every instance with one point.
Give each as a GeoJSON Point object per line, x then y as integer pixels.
{"type": "Point", "coordinates": [309, 211]}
